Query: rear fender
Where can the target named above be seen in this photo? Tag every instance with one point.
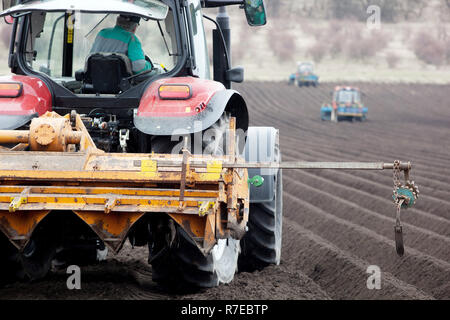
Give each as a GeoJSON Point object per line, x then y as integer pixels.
{"type": "Point", "coordinates": [206, 105]}
{"type": "Point", "coordinates": [34, 101]}
{"type": "Point", "coordinates": [262, 145]}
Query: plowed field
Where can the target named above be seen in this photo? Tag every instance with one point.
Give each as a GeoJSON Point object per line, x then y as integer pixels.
{"type": "Point", "coordinates": [336, 224]}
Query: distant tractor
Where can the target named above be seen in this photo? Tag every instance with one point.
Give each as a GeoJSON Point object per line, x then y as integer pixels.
{"type": "Point", "coordinates": [346, 105]}
{"type": "Point", "coordinates": [305, 75]}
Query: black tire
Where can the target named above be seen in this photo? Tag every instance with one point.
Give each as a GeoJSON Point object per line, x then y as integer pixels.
{"type": "Point", "coordinates": [183, 265]}
{"type": "Point", "coordinates": [9, 263]}
{"type": "Point", "coordinates": [261, 245]}
{"type": "Point", "coordinates": [36, 259]}
{"type": "Point", "coordinates": [32, 264]}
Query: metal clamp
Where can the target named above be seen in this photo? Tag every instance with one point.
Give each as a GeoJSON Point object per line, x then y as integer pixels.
{"type": "Point", "coordinates": [110, 204]}
{"type": "Point", "coordinates": [204, 207]}
{"type": "Point", "coordinates": [16, 202]}
{"type": "Point", "coordinates": [124, 136]}
{"type": "Point", "coordinates": [405, 196]}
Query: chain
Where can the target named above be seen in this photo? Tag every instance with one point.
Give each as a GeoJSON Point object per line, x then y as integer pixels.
{"type": "Point", "coordinates": [399, 202]}
{"type": "Point", "coordinates": [396, 176]}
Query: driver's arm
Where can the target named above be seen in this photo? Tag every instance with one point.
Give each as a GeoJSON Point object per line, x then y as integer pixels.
{"type": "Point", "coordinates": [137, 57]}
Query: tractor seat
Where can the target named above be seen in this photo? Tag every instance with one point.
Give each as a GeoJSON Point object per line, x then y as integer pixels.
{"type": "Point", "coordinates": [104, 72]}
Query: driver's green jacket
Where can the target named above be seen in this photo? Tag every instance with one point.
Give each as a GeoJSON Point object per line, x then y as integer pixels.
{"type": "Point", "coordinates": [118, 40]}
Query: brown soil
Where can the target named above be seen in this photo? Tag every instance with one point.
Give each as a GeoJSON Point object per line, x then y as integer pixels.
{"type": "Point", "coordinates": [336, 224]}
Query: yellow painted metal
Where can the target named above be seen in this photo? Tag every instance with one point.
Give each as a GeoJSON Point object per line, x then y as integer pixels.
{"type": "Point", "coordinates": [110, 192]}
{"type": "Point", "coordinates": [149, 168]}
{"type": "Point", "coordinates": [214, 169]}
{"type": "Point", "coordinates": [112, 228]}
{"type": "Point", "coordinates": [13, 136]}
{"type": "Point", "coordinates": [204, 207]}
{"type": "Point", "coordinates": [105, 176]}
{"type": "Point", "coordinates": [19, 226]}
{"type": "Point", "coordinates": [16, 202]}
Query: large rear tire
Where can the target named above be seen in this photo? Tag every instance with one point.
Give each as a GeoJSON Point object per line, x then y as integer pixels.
{"type": "Point", "coordinates": [183, 265]}
{"type": "Point", "coordinates": [33, 263]}
{"type": "Point", "coordinates": [9, 264]}
{"type": "Point", "coordinates": [261, 245]}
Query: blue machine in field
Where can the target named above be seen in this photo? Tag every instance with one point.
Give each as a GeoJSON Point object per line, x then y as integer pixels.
{"type": "Point", "coordinates": [346, 105]}
{"type": "Point", "coordinates": [305, 75]}
{"type": "Point", "coordinates": [292, 78]}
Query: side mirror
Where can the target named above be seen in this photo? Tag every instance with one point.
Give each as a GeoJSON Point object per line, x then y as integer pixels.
{"type": "Point", "coordinates": [235, 75]}
{"type": "Point", "coordinates": [255, 12]}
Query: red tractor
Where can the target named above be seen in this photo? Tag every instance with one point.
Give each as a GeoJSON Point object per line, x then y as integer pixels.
{"type": "Point", "coordinates": [93, 154]}
{"type": "Point", "coordinates": [148, 152]}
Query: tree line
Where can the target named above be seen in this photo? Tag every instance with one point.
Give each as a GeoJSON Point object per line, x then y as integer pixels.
{"type": "Point", "coordinates": [391, 10]}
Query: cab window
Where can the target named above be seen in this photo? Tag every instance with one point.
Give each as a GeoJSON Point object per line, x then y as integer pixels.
{"type": "Point", "coordinates": [48, 39]}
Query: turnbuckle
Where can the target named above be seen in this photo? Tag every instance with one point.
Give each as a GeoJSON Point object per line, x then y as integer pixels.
{"type": "Point", "coordinates": [399, 246]}
{"type": "Point", "coordinates": [405, 196]}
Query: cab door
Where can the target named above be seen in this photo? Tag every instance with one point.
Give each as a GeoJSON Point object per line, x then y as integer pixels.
{"type": "Point", "coordinates": [200, 50]}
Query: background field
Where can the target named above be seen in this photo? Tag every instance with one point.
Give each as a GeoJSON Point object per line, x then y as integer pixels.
{"type": "Point", "coordinates": [336, 224]}
{"type": "Point", "coordinates": [411, 45]}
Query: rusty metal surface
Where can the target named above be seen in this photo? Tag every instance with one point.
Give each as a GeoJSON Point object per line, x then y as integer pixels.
{"type": "Point", "coordinates": [51, 132]}
{"type": "Point", "coordinates": [110, 192]}
{"type": "Point", "coordinates": [103, 199]}
{"type": "Point", "coordinates": [14, 136]}
{"type": "Point", "coordinates": [112, 228]}
{"type": "Point", "coordinates": [19, 226]}
{"type": "Point", "coordinates": [207, 195]}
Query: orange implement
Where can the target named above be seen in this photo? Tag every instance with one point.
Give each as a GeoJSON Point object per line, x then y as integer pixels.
{"type": "Point", "coordinates": [110, 192]}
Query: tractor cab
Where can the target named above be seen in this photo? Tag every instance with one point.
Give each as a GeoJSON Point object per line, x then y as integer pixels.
{"type": "Point", "coordinates": [305, 68]}
{"type": "Point", "coordinates": [305, 74]}
{"type": "Point", "coordinates": [143, 156]}
{"type": "Point", "coordinates": [347, 96]}
{"type": "Point", "coordinates": [57, 43]}
{"type": "Point", "coordinates": [54, 60]}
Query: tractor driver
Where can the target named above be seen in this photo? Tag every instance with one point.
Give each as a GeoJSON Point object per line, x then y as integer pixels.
{"type": "Point", "coordinates": [122, 39]}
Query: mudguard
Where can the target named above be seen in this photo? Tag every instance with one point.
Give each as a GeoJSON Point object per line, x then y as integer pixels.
{"type": "Point", "coordinates": [34, 101]}
{"type": "Point", "coordinates": [262, 145]}
{"type": "Point", "coordinates": [156, 116]}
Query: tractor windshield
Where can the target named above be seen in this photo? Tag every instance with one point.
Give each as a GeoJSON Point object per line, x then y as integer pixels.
{"type": "Point", "coordinates": [59, 43]}
{"type": "Point", "coordinates": [348, 96]}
